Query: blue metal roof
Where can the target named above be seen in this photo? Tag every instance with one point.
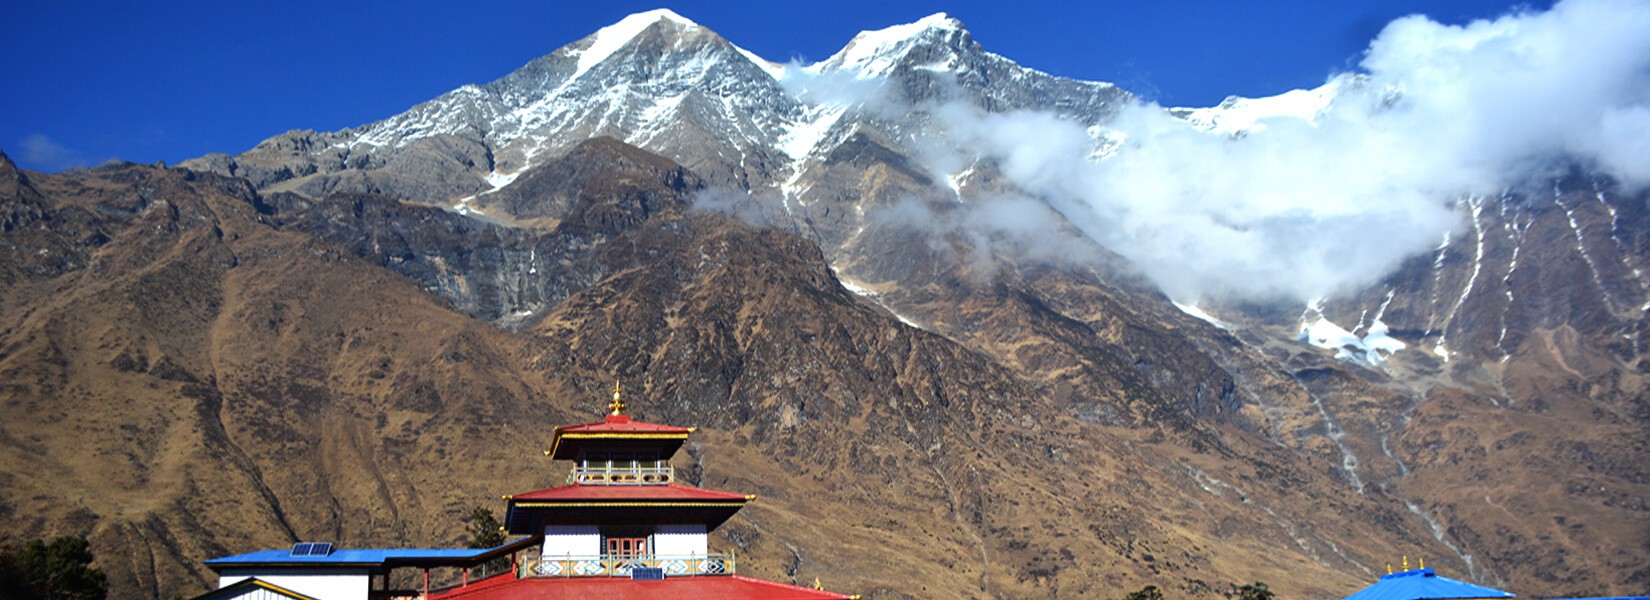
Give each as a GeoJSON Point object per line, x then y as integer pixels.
{"type": "Point", "coordinates": [372, 556]}
{"type": "Point", "coordinates": [1423, 584]}
{"type": "Point", "coordinates": [375, 558]}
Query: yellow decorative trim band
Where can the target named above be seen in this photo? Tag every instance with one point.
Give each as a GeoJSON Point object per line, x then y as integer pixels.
{"type": "Point", "coordinates": [278, 589]}
{"type": "Point", "coordinates": [623, 434]}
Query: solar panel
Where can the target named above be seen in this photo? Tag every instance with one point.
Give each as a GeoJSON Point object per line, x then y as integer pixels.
{"type": "Point", "coordinates": [311, 549]}
{"type": "Point", "coordinates": [647, 573]}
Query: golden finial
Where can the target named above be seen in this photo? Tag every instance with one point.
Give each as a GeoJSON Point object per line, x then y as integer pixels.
{"type": "Point", "coordinates": [1406, 562]}
{"type": "Point", "coordinates": [618, 401]}
{"type": "Point", "coordinates": [818, 585]}
{"type": "Point", "coordinates": [1389, 568]}
{"type": "Point", "coordinates": [1423, 562]}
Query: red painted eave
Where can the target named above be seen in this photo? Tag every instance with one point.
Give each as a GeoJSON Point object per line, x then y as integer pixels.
{"type": "Point", "coordinates": [567, 441]}
{"type": "Point", "coordinates": [621, 424]}
{"type": "Point", "coordinates": [733, 587]}
{"type": "Point", "coordinates": [663, 493]}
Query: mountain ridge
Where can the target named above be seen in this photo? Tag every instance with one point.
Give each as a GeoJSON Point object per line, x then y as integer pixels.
{"type": "Point", "coordinates": [1499, 431]}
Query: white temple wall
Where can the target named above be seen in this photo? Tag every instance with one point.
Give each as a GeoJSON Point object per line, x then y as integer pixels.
{"type": "Point", "coordinates": [680, 540]}
{"type": "Point", "coordinates": [571, 540]}
{"type": "Point", "coordinates": [323, 584]}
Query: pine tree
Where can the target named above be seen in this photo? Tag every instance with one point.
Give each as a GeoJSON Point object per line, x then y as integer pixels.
{"type": "Point", "coordinates": [1149, 592]}
{"type": "Point", "coordinates": [1255, 591]}
{"type": "Point", "coordinates": [60, 570]}
{"type": "Point", "coordinates": [485, 530]}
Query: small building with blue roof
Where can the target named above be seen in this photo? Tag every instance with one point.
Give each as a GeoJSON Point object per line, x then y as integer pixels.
{"type": "Point", "coordinates": [317, 570]}
{"type": "Point", "coordinates": [1424, 584]}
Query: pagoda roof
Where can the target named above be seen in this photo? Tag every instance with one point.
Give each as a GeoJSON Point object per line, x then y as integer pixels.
{"type": "Point", "coordinates": [1424, 584]}
{"type": "Point", "coordinates": [635, 493]}
{"type": "Point", "coordinates": [568, 439]}
{"type": "Point", "coordinates": [616, 588]}
{"type": "Point", "coordinates": [613, 504]}
{"type": "Point", "coordinates": [623, 424]}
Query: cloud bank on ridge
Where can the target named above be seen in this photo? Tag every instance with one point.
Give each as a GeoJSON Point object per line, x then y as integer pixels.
{"type": "Point", "coordinates": [1306, 206]}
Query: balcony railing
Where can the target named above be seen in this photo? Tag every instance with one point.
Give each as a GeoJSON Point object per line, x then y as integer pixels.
{"type": "Point", "coordinates": [622, 475]}
{"type": "Point", "coordinates": [609, 565]}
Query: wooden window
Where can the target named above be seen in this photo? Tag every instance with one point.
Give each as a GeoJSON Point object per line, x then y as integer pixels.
{"type": "Point", "coordinates": [627, 547]}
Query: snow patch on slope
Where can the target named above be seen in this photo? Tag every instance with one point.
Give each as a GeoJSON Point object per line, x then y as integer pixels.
{"type": "Point", "coordinates": [1370, 349]}
{"type": "Point", "coordinates": [1193, 310]}
{"type": "Point", "coordinates": [773, 69]}
{"type": "Point", "coordinates": [499, 180]}
{"type": "Point", "coordinates": [801, 137]}
{"type": "Point", "coordinates": [872, 295]}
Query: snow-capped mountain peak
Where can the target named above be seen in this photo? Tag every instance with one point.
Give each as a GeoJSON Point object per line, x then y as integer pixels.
{"type": "Point", "coordinates": [875, 53]}
{"type": "Point", "coordinates": [661, 82]}
{"type": "Point", "coordinates": [1236, 115]}
{"type": "Point", "coordinates": [611, 38]}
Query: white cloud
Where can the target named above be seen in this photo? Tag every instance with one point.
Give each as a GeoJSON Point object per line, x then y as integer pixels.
{"type": "Point", "coordinates": [40, 152]}
{"type": "Point", "coordinates": [1303, 208]}
{"type": "Point", "coordinates": [992, 226]}
{"type": "Point", "coordinates": [740, 204]}
{"type": "Point", "coordinates": [871, 96]}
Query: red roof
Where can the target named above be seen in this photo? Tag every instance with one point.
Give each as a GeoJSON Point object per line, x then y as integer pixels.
{"type": "Point", "coordinates": [618, 588]}
{"type": "Point", "coordinates": [621, 423]}
{"type": "Point", "coordinates": [617, 493]}
{"type": "Point", "coordinates": [596, 504]}
{"type": "Point", "coordinates": [568, 440]}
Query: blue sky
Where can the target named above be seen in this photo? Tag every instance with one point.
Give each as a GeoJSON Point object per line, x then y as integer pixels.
{"type": "Point", "coordinates": [91, 81]}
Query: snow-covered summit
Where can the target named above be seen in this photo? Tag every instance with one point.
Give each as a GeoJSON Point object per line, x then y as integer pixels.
{"type": "Point", "coordinates": [662, 82]}
{"type": "Point", "coordinates": [1239, 115]}
{"type": "Point", "coordinates": [611, 38]}
{"type": "Point", "coordinates": [875, 53]}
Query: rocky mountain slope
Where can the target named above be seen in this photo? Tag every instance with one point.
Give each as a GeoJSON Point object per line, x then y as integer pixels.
{"type": "Point", "coordinates": [206, 372]}
{"type": "Point", "coordinates": [807, 261]}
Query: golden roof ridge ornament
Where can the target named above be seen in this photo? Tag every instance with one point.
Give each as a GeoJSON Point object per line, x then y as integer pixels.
{"type": "Point", "coordinates": [617, 407]}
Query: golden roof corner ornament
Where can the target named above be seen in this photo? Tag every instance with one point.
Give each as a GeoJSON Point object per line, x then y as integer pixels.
{"type": "Point", "coordinates": [617, 407]}
{"type": "Point", "coordinates": [818, 585]}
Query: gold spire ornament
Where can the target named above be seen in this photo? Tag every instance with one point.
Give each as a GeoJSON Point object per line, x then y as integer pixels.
{"type": "Point", "coordinates": [818, 585]}
{"type": "Point", "coordinates": [618, 401]}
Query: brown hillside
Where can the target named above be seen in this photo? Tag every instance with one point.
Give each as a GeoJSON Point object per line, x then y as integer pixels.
{"type": "Point", "coordinates": [202, 381]}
